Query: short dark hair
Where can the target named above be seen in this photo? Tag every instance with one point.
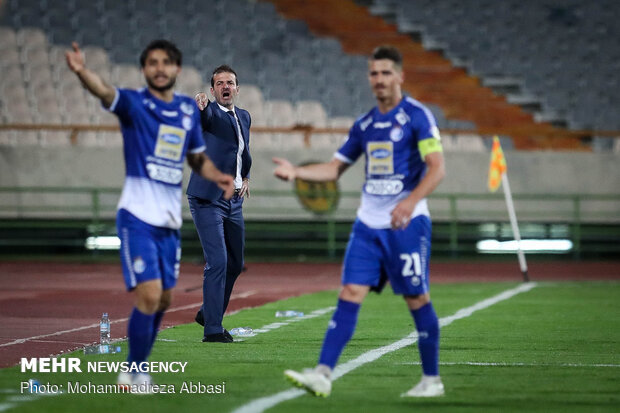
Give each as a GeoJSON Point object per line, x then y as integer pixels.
{"type": "Point", "coordinates": [170, 48]}
{"type": "Point", "coordinates": [389, 53]}
{"type": "Point", "coordinates": [224, 69]}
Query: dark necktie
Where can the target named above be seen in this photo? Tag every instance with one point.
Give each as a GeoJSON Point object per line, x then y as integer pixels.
{"type": "Point", "coordinates": [231, 113]}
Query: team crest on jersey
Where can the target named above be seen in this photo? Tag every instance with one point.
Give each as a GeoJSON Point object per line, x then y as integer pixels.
{"type": "Point", "coordinates": [138, 265]}
{"type": "Point", "coordinates": [401, 117]}
{"type": "Point", "coordinates": [380, 157]}
{"type": "Point", "coordinates": [170, 142]}
{"type": "Point", "coordinates": [396, 134]}
{"type": "Point", "coordinates": [187, 122]}
{"type": "Point", "coordinates": [187, 109]}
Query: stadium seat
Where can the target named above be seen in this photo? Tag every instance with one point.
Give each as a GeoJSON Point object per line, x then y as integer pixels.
{"type": "Point", "coordinates": [8, 39]}
{"type": "Point", "coordinates": [310, 112]}
{"type": "Point", "coordinates": [251, 99]}
{"type": "Point", "coordinates": [29, 36]}
{"type": "Point", "coordinates": [189, 81]}
{"type": "Point", "coordinates": [127, 75]}
{"type": "Point", "coordinates": [279, 113]}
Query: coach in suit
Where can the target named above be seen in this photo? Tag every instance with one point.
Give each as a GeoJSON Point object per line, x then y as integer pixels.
{"type": "Point", "coordinates": [220, 226]}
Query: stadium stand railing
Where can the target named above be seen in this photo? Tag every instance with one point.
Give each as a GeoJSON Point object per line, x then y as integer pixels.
{"type": "Point", "coordinates": [40, 220]}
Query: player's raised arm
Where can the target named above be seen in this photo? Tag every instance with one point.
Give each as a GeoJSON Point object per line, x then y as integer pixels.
{"type": "Point", "coordinates": [91, 80]}
{"type": "Point", "coordinates": [320, 172]}
{"type": "Point", "coordinates": [202, 165]}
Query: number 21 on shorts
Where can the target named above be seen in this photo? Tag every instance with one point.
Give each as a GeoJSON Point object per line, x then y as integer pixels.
{"type": "Point", "coordinates": [412, 264]}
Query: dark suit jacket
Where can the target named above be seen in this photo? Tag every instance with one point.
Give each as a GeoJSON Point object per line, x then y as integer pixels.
{"type": "Point", "coordinates": [220, 136]}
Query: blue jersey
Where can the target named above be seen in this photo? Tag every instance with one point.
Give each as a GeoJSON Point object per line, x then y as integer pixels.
{"type": "Point", "coordinates": [156, 137]}
{"type": "Point", "coordinates": [391, 143]}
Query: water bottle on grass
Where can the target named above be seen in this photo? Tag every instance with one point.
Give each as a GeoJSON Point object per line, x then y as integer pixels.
{"type": "Point", "coordinates": [242, 332]}
{"type": "Point", "coordinates": [104, 330]}
{"type": "Point", "coordinates": [289, 314]}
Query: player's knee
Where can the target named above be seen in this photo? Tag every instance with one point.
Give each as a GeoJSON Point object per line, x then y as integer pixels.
{"type": "Point", "coordinates": [415, 302]}
{"type": "Point", "coordinates": [353, 293]}
{"type": "Point", "coordinates": [164, 302]}
{"type": "Point", "coordinates": [149, 301]}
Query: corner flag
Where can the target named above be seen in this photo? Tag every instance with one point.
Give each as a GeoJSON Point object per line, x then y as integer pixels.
{"type": "Point", "coordinates": [497, 167]}
{"type": "Point", "coordinates": [498, 174]}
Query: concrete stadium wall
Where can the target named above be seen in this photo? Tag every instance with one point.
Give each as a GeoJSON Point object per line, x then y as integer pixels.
{"type": "Point", "coordinates": [529, 172]}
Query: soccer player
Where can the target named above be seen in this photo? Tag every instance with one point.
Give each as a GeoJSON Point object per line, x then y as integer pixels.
{"type": "Point", "coordinates": [391, 237]}
{"type": "Point", "coordinates": [159, 129]}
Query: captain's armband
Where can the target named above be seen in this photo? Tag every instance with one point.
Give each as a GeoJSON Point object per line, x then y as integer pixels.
{"type": "Point", "coordinates": [428, 146]}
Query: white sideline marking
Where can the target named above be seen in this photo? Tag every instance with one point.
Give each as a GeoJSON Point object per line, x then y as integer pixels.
{"type": "Point", "coordinates": [264, 403]}
{"type": "Point", "coordinates": [489, 364]}
{"type": "Point", "coordinates": [73, 330]}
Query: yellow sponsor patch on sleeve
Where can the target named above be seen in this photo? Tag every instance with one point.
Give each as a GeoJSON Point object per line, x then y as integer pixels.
{"type": "Point", "coordinates": [428, 146]}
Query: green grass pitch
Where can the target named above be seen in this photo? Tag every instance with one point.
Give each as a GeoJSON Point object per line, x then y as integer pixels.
{"type": "Point", "coordinates": [553, 348]}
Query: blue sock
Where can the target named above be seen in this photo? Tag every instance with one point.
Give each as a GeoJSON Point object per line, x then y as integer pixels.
{"type": "Point", "coordinates": [428, 338]}
{"type": "Point", "coordinates": [156, 323]}
{"type": "Point", "coordinates": [339, 332]}
{"type": "Point", "coordinates": [140, 334]}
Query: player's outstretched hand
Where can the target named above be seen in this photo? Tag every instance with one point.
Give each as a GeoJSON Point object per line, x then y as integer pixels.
{"type": "Point", "coordinates": [285, 170]}
{"type": "Point", "coordinates": [227, 184]}
{"type": "Point", "coordinates": [201, 100]}
{"type": "Point", "coordinates": [75, 58]}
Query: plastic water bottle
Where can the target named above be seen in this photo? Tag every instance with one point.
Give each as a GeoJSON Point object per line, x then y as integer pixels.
{"type": "Point", "coordinates": [289, 313]}
{"type": "Point", "coordinates": [242, 332]}
{"type": "Point", "coordinates": [33, 385]}
{"type": "Point", "coordinates": [104, 330]}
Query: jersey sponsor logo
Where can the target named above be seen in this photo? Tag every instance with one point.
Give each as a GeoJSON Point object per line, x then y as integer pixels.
{"type": "Point", "coordinates": [396, 134]}
{"type": "Point", "coordinates": [380, 156]}
{"type": "Point", "coordinates": [164, 174]}
{"type": "Point", "coordinates": [187, 108]}
{"type": "Point", "coordinates": [171, 139]}
{"type": "Point", "coordinates": [380, 153]}
{"type": "Point", "coordinates": [383, 187]}
{"type": "Point", "coordinates": [382, 125]}
{"type": "Point", "coordinates": [170, 142]}
{"type": "Point", "coordinates": [170, 113]}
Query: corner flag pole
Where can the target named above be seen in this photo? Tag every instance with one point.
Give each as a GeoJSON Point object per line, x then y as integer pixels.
{"type": "Point", "coordinates": [498, 170]}
{"type": "Point", "coordinates": [515, 226]}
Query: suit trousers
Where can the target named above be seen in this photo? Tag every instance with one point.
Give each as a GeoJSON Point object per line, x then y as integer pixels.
{"type": "Point", "coordinates": [221, 231]}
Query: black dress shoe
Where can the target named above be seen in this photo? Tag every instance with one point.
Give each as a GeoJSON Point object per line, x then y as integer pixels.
{"type": "Point", "coordinates": [200, 318]}
{"type": "Point", "coordinates": [227, 335]}
{"type": "Point", "coordinates": [217, 338]}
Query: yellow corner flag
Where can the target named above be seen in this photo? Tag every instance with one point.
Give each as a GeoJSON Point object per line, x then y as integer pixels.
{"type": "Point", "coordinates": [497, 167]}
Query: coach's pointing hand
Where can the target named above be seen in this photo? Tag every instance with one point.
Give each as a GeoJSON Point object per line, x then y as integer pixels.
{"type": "Point", "coordinates": [201, 100]}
